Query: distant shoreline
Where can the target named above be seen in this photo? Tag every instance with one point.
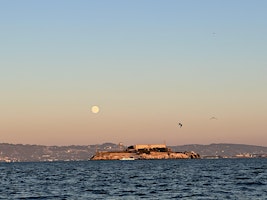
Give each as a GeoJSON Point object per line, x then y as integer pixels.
{"type": "Point", "coordinates": [35, 153]}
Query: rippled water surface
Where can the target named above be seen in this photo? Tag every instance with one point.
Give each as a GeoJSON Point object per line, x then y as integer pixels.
{"type": "Point", "coordinates": [139, 179]}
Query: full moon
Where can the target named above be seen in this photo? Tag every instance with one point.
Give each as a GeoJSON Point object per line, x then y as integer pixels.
{"type": "Point", "coordinates": [95, 109]}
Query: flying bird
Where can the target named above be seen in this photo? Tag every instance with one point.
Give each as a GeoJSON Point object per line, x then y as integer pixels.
{"type": "Point", "coordinates": [180, 125]}
{"type": "Point", "coordinates": [213, 118]}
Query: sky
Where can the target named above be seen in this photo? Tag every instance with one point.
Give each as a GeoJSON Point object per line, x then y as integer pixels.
{"type": "Point", "coordinates": [148, 66]}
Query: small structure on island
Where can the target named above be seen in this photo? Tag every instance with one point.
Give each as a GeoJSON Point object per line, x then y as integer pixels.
{"type": "Point", "coordinates": [144, 152]}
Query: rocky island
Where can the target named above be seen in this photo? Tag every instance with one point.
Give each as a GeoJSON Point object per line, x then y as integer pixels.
{"type": "Point", "coordinates": [144, 152]}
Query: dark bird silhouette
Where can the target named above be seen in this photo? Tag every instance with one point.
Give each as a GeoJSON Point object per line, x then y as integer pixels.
{"type": "Point", "coordinates": [213, 118]}
{"type": "Point", "coordinates": [180, 125]}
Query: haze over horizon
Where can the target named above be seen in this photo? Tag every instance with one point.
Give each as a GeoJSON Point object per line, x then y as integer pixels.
{"type": "Point", "coordinates": [88, 72]}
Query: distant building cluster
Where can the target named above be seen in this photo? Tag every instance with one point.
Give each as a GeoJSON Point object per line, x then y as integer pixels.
{"type": "Point", "coordinates": [147, 147]}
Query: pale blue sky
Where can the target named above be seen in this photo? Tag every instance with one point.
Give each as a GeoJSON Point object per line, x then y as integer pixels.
{"type": "Point", "coordinates": [147, 64]}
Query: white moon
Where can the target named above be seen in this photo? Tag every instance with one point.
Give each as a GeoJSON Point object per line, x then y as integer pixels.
{"type": "Point", "coordinates": [95, 109]}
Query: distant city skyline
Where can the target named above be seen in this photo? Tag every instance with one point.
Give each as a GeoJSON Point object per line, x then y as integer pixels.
{"type": "Point", "coordinates": [146, 65]}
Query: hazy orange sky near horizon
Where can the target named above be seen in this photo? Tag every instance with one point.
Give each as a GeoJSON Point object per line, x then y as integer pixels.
{"type": "Point", "coordinates": [147, 65]}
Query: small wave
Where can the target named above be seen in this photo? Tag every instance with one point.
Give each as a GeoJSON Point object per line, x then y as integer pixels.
{"type": "Point", "coordinates": [257, 183]}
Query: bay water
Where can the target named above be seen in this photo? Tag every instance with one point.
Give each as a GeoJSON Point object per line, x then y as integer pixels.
{"type": "Point", "coordinates": [137, 179]}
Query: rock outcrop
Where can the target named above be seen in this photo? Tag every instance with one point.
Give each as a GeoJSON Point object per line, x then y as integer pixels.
{"type": "Point", "coordinates": [144, 156]}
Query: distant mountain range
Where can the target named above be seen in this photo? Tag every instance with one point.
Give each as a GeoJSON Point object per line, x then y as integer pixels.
{"type": "Point", "coordinates": [224, 150]}
{"type": "Point", "coordinates": [35, 153]}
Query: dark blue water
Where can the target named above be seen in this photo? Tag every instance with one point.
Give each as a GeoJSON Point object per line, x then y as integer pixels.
{"type": "Point", "coordinates": [139, 179]}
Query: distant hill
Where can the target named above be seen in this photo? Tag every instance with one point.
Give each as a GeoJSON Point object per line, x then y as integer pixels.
{"type": "Point", "coordinates": [29, 153]}
{"type": "Point", "coordinates": [223, 150]}
{"type": "Point", "coordinates": [26, 153]}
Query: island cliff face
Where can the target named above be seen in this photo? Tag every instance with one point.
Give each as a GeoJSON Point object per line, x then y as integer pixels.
{"type": "Point", "coordinates": [144, 152]}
